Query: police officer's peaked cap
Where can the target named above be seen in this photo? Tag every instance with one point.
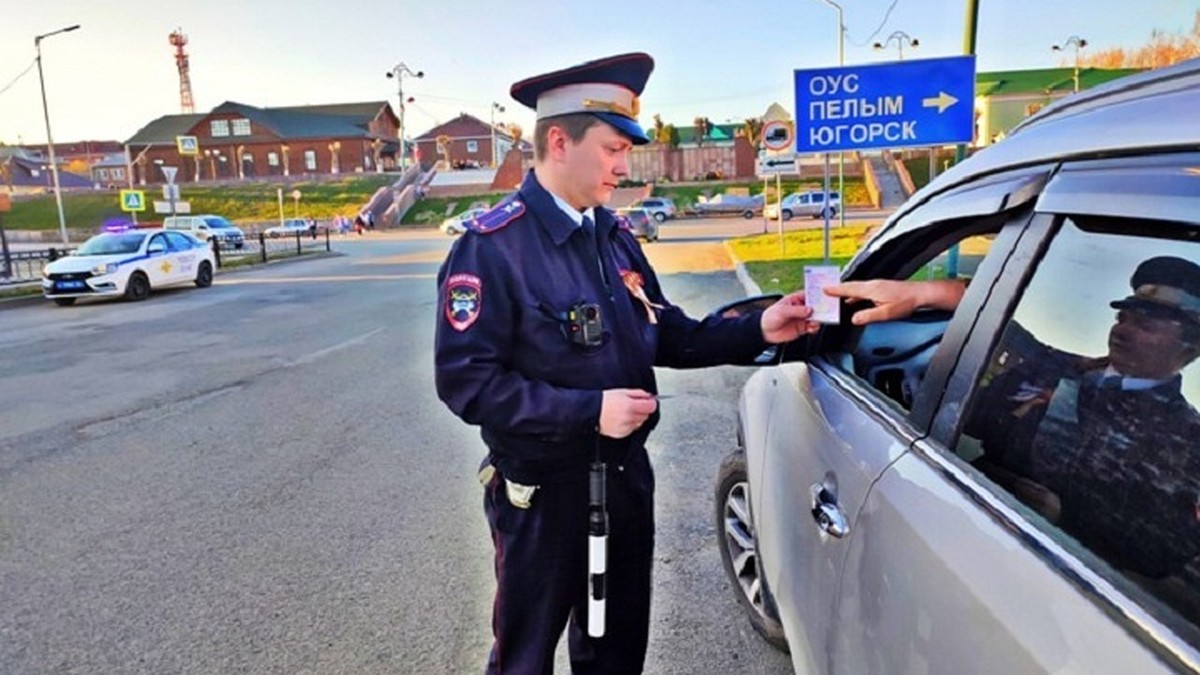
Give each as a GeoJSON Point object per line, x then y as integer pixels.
{"type": "Point", "coordinates": [1165, 284]}
{"type": "Point", "coordinates": [607, 88]}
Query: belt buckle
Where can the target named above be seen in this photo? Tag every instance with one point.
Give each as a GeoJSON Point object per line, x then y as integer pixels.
{"type": "Point", "coordinates": [519, 495]}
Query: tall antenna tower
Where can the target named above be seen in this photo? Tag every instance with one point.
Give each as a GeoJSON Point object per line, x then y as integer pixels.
{"type": "Point", "coordinates": [186, 104]}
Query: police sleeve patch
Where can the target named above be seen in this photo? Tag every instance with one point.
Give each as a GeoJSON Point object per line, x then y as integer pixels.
{"type": "Point", "coordinates": [464, 298]}
{"type": "Point", "coordinates": [504, 213]}
{"type": "Point", "coordinates": [623, 223]}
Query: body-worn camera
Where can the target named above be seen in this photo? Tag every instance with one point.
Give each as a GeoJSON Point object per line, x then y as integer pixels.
{"type": "Point", "coordinates": [584, 325]}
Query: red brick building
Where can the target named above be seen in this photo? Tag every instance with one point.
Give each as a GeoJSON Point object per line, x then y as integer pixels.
{"type": "Point", "coordinates": [469, 143]}
{"type": "Point", "coordinates": [238, 141]}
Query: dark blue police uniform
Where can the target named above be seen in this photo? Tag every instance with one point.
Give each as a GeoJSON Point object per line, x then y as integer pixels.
{"type": "Point", "coordinates": [505, 361]}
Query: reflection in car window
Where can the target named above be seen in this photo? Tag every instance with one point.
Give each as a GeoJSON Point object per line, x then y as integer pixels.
{"type": "Point", "coordinates": [110, 244]}
{"type": "Point", "coordinates": [1087, 411]}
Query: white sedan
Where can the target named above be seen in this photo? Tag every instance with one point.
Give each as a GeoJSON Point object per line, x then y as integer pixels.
{"type": "Point", "coordinates": [457, 224]}
{"type": "Point", "coordinates": [128, 264]}
{"type": "Point", "coordinates": [289, 228]}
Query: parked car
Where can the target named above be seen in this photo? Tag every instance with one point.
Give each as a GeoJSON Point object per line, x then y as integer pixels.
{"type": "Point", "coordinates": [661, 208]}
{"type": "Point", "coordinates": [206, 227]}
{"type": "Point", "coordinates": [456, 224]}
{"type": "Point", "coordinates": [291, 227]}
{"type": "Point", "coordinates": [811, 203]}
{"type": "Point", "coordinates": [726, 204]}
{"type": "Point", "coordinates": [885, 511]}
{"type": "Point", "coordinates": [129, 264]}
{"type": "Point", "coordinates": [641, 221]}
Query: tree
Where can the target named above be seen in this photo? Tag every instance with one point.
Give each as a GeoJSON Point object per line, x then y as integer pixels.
{"type": "Point", "coordinates": [703, 126]}
{"type": "Point", "coordinates": [670, 136]}
{"type": "Point", "coordinates": [1163, 49]}
{"type": "Point", "coordinates": [657, 135]}
{"type": "Point", "coordinates": [514, 130]}
{"type": "Point", "coordinates": [752, 130]}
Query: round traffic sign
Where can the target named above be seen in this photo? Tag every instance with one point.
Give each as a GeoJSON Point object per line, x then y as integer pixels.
{"type": "Point", "coordinates": [777, 135]}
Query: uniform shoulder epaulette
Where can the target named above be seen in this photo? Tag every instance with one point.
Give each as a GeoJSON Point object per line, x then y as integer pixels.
{"type": "Point", "coordinates": [623, 222]}
{"type": "Point", "coordinates": [504, 213]}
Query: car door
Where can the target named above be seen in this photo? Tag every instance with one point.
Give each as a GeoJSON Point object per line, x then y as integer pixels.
{"type": "Point", "coordinates": [184, 257]}
{"type": "Point", "coordinates": [842, 417]}
{"type": "Point", "coordinates": [959, 565]}
{"type": "Point", "coordinates": [161, 267]}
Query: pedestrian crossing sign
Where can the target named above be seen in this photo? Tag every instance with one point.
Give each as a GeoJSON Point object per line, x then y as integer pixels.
{"type": "Point", "coordinates": [188, 145]}
{"type": "Point", "coordinates": [133, 200]}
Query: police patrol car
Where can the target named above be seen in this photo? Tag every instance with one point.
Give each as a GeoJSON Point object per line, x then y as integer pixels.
{"type": "Point", "coordinates": [128, 264]}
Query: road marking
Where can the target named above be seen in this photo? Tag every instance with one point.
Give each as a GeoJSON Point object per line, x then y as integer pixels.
{"type": "Point", "coordinates": [345, 344]}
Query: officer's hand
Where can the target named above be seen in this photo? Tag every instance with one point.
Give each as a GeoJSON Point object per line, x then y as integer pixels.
{"type": "Point", "coordinates": [622, 411]}
{"type": "Point", "coordinates": [787, 319]}
{"type": "Point", "coordinates": [898, 299]}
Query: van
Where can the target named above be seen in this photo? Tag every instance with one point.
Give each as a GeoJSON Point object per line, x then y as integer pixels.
{"type": "Point", "coordinates": [206, 227]}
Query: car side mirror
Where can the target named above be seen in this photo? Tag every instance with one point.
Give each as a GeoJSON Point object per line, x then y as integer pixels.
{"type": "Point", "coordinates": [774, 354]}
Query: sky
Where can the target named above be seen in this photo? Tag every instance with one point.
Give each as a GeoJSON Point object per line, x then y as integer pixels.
{"type": "Point", "coordinates": [725, 60]}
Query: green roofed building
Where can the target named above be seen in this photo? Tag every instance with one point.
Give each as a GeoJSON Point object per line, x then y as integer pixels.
{"type": "Point", "coordinates": [1004, 98]}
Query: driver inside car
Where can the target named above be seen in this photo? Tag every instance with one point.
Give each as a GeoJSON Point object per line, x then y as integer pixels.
{"type": "Point", "coordinates": [1104, 447]}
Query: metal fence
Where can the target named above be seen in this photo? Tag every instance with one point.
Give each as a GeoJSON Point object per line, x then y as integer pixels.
{"type": "Point", "coordinates": [23, 266]}
{"type": "Point", "coordinates": [18, 267]}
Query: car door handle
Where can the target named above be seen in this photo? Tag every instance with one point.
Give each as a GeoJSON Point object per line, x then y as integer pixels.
{"type": "Point", "coordinates": [826, 512]}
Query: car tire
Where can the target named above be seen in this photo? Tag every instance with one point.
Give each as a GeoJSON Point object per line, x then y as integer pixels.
{"type": "Point", "coordinates": [239, 245]}
{"type": "Point", "coordinates": [64, 302]}
{"type": "Point", "coordinates": [787, 215]}
{"type": "Point", "coordinates": [747, 214]}
{"type": "Point", "coordinates": [660, 216]}
{"type": "Point", "coordinates": [739, 550]}
{"type": "Point", "coordinates": [204, 275]}
{"type": "Point", "coordinates": [138, 287]}
{"type": "Point", "coordinates": [273, 235]}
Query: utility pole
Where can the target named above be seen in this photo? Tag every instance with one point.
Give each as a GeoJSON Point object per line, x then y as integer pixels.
{"type": "Point", "coordinates": [399, 71]}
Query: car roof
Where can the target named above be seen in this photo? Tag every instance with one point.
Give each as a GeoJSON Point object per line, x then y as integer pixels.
{"type": "Point", "coordinates": [1128, 115]}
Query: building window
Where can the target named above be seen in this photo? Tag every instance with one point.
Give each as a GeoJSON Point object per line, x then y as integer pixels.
{"type": "Point", "coordinates": [118, 173]}
{"type": "Point", "coordinates": [103, 173]}
{"type": "Point", "coordinates": [241, 127]}
{"type": "Point", "coordinates": [273, 159]}
{"type": "Point", "coordinates": [219, 127]}
{"type": "Point", "coordinates": [310, 160]}
{"type": "Point", "coordinates": [472, 147]}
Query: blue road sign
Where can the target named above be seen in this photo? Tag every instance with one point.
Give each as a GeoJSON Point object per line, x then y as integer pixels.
{"type": "Point", "coordinates": [887, 105]}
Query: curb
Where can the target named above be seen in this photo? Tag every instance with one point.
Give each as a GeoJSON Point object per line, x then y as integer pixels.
{"type": "Point", "coordinates": [752, 288]}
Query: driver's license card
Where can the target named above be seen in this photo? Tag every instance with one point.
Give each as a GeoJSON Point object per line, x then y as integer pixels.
{"type": "Point", "coordinates": [826, 308]}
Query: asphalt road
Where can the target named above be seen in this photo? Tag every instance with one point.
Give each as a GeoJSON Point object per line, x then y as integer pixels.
{"type": "Point", "coordinates": [258, 478]}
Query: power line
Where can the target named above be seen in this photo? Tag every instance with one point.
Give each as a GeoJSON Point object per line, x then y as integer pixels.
{"type": "Point", "coordinates": [883, 23]}
{"type": "Point", "coordinates": [18, 77]}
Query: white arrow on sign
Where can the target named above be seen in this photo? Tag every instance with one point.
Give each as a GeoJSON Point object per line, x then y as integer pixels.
{"type": "Point", "coordinates": [941, 102]}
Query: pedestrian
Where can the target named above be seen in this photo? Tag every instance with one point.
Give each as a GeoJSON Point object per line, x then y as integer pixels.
{"type": "Point", "coordinates": [550, 322]}
{"type": "Point", "coordinates": [371, 221]}
{"type": "Point", "coordinates": [359, 224]}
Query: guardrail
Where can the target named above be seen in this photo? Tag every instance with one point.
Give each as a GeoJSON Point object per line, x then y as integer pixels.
{"type": "Point", "coordinates": [18, 267]}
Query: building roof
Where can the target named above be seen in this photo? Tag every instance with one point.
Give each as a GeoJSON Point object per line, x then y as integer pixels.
{"type": "Point", "coordinates": [31, 173]}
{"type": "Point", "coordinates": [467, 126]}
{"type": "Point", "coordinates": [1042, 81]}
{"type": "Point", "coordinates": [341, 120]}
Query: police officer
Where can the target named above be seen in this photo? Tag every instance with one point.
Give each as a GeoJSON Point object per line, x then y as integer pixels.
{"type": "Point", "coordinates": [550, 322]}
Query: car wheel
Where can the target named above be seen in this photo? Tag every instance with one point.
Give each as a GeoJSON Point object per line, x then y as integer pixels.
{"type": "Point", "coordinates": [739, 550]}
{"type": "Point", "coordinates": [204, 275]}
{"type": "Point", "coordinates": [239, 245]}
{"type": "Point", "coordinates": [64, 302]}
{"type": "Point", "coordinates": [660, 216]}
{"type": "Point", "coordinates": [273, 235]}
{"type": "Point", "coordinates": [747, 214]}
{"type": "Point", "coordinates": [787, 215]}
{"type": "Point", "coordinates": [138, 287]}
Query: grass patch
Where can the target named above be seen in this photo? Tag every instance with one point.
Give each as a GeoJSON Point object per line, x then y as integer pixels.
{"type": "Point", "coordinates": [258, 201]}
{"type": "Point", "coordinates": [432, 210]}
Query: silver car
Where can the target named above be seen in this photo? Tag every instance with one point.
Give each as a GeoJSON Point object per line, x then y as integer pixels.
{"type": "Point", "coordinates": [966, 492]}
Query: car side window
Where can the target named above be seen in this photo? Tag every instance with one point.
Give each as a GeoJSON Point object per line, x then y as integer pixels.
{"type": "Point", "coordinates": [1087, 411]}
{"type": "Point", "coordinates": [894, 356]}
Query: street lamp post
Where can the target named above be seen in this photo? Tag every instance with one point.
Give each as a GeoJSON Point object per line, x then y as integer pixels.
{"type": "Point", "coordinates": [399, 71]}
{"type": "Point", "coordinates": [901, 38]}
{"type": "Point", "coordinates": [496, 107]}
{"type": "Point", "coordinates": [841, 155]}
{"type": "Point", "coordinates": [62, 218]}
{"type": "Point", "coordinates": [1078, 43]}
